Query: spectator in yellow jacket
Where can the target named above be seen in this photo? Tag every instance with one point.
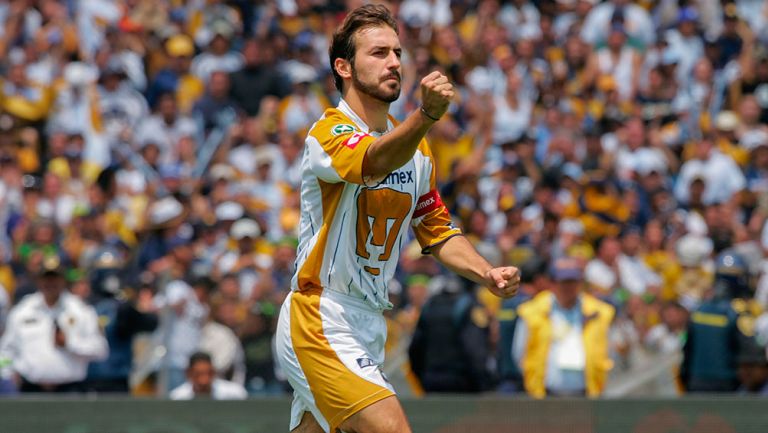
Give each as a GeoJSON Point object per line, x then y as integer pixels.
{"type": "Point", "coordinates": [561, 343]}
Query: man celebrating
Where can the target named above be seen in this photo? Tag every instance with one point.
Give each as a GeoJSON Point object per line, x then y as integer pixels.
{"type": "Point", "coordinates": [365, 180]}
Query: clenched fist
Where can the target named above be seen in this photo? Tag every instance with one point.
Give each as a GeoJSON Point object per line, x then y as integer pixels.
{"type": "Point", "coordinates": [436, 95]}
{"type": "Point", "coordinates": [504, 281]}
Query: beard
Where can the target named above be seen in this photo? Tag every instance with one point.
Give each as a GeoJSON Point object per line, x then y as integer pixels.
{"type": "Point", "coordinates": [387, 95]}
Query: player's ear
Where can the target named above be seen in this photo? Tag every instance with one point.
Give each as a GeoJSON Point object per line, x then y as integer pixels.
{"type": "Point", "coordinates": [343, 67]}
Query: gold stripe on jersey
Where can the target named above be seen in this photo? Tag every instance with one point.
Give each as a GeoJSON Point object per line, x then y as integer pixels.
{"type": "Point", "coordinates": [309, 275]}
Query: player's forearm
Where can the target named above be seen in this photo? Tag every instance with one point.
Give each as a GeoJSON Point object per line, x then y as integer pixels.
{"type": "Point", "coordinates": [458, 255]}
{"type": "Point", "coordinates": [397, 147]}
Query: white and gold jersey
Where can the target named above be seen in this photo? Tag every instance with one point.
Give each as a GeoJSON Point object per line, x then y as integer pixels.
{"type": "Point", "coordinates": [352, 229]}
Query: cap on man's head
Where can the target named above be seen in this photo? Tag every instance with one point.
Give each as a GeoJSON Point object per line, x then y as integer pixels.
{"type": "Point", "coordinates": [229, 211]}
{"type": "Point", "coordinates": [51, 266]}
{"type": "Point", "coordinates": [687, 14]}
{"type": "Point", "coordinates": [727, 121]}
{"type": "Point", "coordinates": [245, 228]}
{"type": "Point", "coordinates": [180, 46]}
{"type": "Point", "coordinates": [566, 269]}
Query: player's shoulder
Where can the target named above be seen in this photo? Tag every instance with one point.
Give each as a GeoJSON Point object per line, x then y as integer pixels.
{"type": "Point", "coordinates": [333, 123]}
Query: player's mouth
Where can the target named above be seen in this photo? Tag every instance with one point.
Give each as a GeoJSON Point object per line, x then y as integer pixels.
{"type": "Point", "coordinates": [395, 77]}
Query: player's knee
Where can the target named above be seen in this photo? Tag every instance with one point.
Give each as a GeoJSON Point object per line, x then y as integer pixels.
{"type": "Point", "coordinates": [396, 425]}
{"type": "Point", "coordinates": [308, 424]}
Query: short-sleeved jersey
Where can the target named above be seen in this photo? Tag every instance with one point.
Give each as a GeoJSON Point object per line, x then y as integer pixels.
{"type": "Point", "coordinates": [353, 228]}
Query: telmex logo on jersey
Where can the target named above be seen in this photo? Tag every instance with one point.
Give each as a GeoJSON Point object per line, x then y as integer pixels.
{"type": "Point", "coordinates": [398, 178]}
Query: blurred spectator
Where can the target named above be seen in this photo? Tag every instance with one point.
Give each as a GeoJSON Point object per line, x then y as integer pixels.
{"type": "Point", "coordinates": [122, 318]}
{"type": "Point", "coordinates": [721, 176]}
{"type": "Point", "coordinates": [669, 336]}
{"type": "Point", "coordinates": [176, 77]}
{"type": "Point", "coordinates": [217, 56]}
{"type": "Point", "coordinates": [166, 128]}
{"type": "Point", "coordinates": [223, 345]}
{"type": "Point", "coordinates": [215, 102]}
{"type": "Point", "coordinates": [257, 77]}
{"type": "Point", "coordinates": [752, 368]}
{"type": "Point", "coordinates": [185, 308]}
{"type": "Point", "coordinates": [202, 382]}
{"type": "Point", "coordinates": [256, 337]}
{"type": "Point", "coordinates": [534, 280]}
{"type": "Point", "coordinates": [714, 328]}
{"type": "Point", "coordinates": [450, 348]}
{"type": "Point", "coordinates": [561, 343]}
{"type": "Point", "coordinates": [51, 336]}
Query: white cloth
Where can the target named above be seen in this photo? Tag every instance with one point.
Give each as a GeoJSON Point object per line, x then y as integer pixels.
{"type": "Point", "coordinates": [29, 339]}
{"type": "Point", "coordinates": [225, 349]}
{"type": "Point", "coordinates": [637, 23]}
{"type": "Point", "coordinates": [722, 177]}
{"type": "Point", "coordinates": [635, 275]}
{"type": "Point", "coordinates": [599, 274]}
{"type": "Point", "coordinates": [206, 64]}
{"type": "Point", "coordinates": [621, 69]}
{"type": "Point", "coordinates": [509, 123]}
{"type": "Point", "coordinates": [5, 306]}
{"type": "Point", "coordinates": [155, 130]}
{"type": "Point", "coordinates": [643, 161]}
{"type": "Point", "coordinates": [185, 328]}
{"type": "Point", "coordinates": [220, 390]}
{"type": "Point", "coordinates": [121, 109]}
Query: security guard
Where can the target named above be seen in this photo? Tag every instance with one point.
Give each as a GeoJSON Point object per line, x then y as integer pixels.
{"type": "Point", "coordinates": [121, 318]}
{"type": "Point", "coordinates": [534, 279]}
{"type": "Point", "coordinates": [714, 330]}
{"type": "Point", "coordinates": [51, 335]}
{"type": "Point", "coordinates": [450, 347]}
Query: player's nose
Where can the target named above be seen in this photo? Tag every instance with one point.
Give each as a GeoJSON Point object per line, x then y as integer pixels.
{"type": "Point", "coordinates": [393, 62]}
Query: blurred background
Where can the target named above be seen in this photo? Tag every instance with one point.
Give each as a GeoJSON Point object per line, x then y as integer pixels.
{"type": "Point", "coordinates": [615, 151]}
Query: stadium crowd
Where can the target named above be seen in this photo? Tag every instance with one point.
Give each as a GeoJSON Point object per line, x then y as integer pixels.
{"type": "Point", "coordinates": [150, 161]}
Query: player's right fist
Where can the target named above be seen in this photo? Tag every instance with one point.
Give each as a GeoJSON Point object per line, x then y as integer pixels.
{"type": "Point", "coordinates": [436, 95]}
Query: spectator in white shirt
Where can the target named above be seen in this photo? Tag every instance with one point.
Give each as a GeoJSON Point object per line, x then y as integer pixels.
{"type": "Point", "coordinates": [166, 128]}
{"type": "Point", "coordinates": [634, 274]}
{"type": "Point", "coordinates": [217, 57]}
{"type": "Point", "coordinates": [203, 383]}
{"type": "Point", "coordinates": [51, 336]}
{"type": "Point", "coordinates": [183, 327]}
{"type": "Point", "coordinates": [721, 175]}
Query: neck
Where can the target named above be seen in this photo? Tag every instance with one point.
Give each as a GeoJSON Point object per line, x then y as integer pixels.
{"type": "Point", "coordinates": [372, 111]}
{"type": "Point", "coordinates": [566, 303]}
{"type": "Point", "coordinates": [51, 300]}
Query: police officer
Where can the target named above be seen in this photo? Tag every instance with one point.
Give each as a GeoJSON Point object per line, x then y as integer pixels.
{"type": "Point", "coordinates": [51, 335]}
{"type": "Point", "coordinates": [714, 330]}
{"type": "Point", "coordinates": [121, 318]}
{"type": "Point", "coordinates": [534, 279]}
{"type": "Point", "coordinates": [450, 347]}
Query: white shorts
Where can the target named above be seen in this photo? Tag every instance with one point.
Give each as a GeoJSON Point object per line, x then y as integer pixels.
{"type": "Point", "coordinates": [330, 346]}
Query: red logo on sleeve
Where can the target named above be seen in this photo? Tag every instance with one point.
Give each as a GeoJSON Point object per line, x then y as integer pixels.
{"type": "Point", "coordinates": [353, 141]}
{"type": "Point", "coordinates": [427, 203]}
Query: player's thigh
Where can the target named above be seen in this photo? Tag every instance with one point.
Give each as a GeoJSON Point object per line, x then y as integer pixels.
{"type": "Point", "coordinates": [308, 424]}
{"type": "Point", "coordinates": [383, 416]}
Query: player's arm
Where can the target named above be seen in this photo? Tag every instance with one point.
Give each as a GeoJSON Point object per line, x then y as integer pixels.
{"type": "Point", "coordinates": [394, 149]}
{"type": "Point", "coordinates": [458, 255]}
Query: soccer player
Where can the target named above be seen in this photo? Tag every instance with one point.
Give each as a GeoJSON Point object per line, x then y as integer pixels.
{"type": "Point", "coordinates": [365, 180]}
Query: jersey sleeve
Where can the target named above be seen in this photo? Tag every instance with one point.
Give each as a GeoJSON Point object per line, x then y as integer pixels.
{"type": "Point", "coordinates": [336, 149]}
{"type": "Point", "coordinates": [431, 221]}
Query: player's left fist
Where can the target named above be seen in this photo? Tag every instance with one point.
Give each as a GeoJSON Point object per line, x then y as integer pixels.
{"type": "Point", "coordinates": [503, 281]}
